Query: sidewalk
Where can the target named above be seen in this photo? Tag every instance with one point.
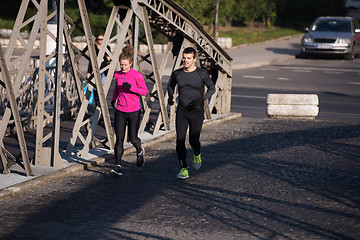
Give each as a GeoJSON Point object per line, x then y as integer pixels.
{"type": "Point", "coordinates": [248, 56]}
{"type": "Point", "coordinates": [266, 53]}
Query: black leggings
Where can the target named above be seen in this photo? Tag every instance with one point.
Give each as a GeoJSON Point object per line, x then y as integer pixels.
{"type": "Point", "coordinates": [184, 119]}
{"type": "Point", "coordinates": [133, 121]}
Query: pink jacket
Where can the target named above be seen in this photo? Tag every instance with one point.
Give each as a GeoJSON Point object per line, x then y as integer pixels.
{"type": "Point", "coordinates": [128, 100]}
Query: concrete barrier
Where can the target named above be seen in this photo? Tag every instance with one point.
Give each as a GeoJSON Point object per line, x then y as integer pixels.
{"type": "Point", "coordinates": [303, 106]}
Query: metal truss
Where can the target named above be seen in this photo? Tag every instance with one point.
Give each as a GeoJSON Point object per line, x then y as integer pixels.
{"type": "Point", "coordinates": [51, 93]}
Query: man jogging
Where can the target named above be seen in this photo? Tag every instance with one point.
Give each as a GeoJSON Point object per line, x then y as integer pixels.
{"type": "Point", "coordinates": [190, 111]}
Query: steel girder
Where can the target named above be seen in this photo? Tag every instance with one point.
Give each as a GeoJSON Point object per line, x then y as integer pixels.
{"type": "Point", "coordinates": [165, 16]}
{"type": "Point", "coordinates": [172, 20]}
{"type": "Point", "coordinates": [17, 66]}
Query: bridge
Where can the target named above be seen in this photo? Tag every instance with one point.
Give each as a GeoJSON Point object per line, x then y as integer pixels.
{"type": "Point", "coordinates": [40, 91]}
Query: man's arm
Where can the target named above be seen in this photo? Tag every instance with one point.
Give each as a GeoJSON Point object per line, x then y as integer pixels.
{"type": "Point", "coordinates": [209, 84]}
{"type": "Point", "coordinates": [171, 88]}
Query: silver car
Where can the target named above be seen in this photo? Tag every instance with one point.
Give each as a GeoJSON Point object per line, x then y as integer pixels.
{"type": "Point", "coordinates": [332, 35]}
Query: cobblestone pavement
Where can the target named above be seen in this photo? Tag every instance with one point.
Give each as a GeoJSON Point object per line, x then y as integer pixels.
{"type": "Point", "coordinates": [261, 179]}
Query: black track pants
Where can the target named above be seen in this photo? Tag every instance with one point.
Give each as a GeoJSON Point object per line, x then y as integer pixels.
{"type": "Point", "coordinates": [132, 119]}
{"type": "Point", "coordinates": [193, 120]}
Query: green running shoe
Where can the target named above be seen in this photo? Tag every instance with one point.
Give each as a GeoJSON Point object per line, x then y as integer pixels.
{"type": "Point", "coordinates": [184, 173]}
{"type": "Point", "coordinates": [197, 161]}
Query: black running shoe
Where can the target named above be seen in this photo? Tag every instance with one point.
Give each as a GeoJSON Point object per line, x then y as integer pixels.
{"type": "Point", "coordinates": [117, 171]}
{"type": "Point", "coordinates": [140, 160]}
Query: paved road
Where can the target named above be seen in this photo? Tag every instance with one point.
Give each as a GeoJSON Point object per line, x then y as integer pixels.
{"type": "Point", "coordinates": [261, 179]}
{"type": "Point", "coordinates": [336, 82]}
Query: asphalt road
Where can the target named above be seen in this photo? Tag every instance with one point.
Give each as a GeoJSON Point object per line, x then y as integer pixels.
{"type": "Point", "coordinates": [335, 81]}
{"type": "Point", "coordinates": [261, 179]}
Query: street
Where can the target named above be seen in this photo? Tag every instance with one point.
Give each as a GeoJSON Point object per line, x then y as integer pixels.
{"type": "Point", "coordinates": [261, 179]}
{"type": "Point", "coordinates": [337, 83]}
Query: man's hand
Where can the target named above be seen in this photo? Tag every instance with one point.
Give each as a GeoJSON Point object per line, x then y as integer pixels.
{"type": "Point", "coordinates": [171, 101]}
{"type": "Point", "coordinates": [127, 85]}
{"type": "Point", "coordinates": [113, 104]}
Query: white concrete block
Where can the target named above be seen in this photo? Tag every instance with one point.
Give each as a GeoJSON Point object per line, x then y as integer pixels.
{"type": "Point", "coordinates": [277, 111]}
{"type": "Point", "coordinates": [292, 106]}
{"type": "Point", "coordinates": [291, 99]}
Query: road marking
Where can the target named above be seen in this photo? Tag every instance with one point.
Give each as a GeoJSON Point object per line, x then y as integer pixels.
{"type": "Point", "coordinates": [320, 69]}
{"type": "Point", "coordinates": [257, 77]}
{"type": "Point", "coordinates": [270, 69]}
{"type": "Point", "coordinates": [248, 96]}
{"type": "Point", "coordinates": [333, 72]}
{"type": "Point", "coordinates": [283, 79]}
{"type": "Point", "coordinates": [301, 70]}
{"type": "Point", "coordinates": [353, 83]}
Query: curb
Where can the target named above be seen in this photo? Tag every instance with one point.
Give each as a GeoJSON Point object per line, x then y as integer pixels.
{"type": "Point", "coordinates": [263, 63]}
{"type": "Point", "coordinates": [64, 172]}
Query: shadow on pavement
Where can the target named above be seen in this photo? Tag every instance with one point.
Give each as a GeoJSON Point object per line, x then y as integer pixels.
{"type": "Point", "coordinates": [261, 179]}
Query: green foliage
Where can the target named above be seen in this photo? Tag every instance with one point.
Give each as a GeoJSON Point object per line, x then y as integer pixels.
{"type": "Point", "coordinates": [227, 8]}
{"type": "Point", "coordinates": [203, 11]}
{"type": "Point", "coordinates": [7, 23]}
{"type": "Point", "coordinates": [286, 13]}
{"type": "Point", "coordinates": [98, 13]}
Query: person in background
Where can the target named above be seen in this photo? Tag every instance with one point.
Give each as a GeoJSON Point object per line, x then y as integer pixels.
{"type": "Point", "coordinates": [190, 111]}
{"type": "Point", "coordinates": [106, 60]}
{"type": "Point", "coordinates": [125, 100]}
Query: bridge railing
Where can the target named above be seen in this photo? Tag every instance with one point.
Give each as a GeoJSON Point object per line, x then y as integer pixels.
{"type": "Point", "coordinates": [45, 94]}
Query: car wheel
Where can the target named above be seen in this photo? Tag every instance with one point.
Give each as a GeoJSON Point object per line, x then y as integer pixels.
{"type": "Point", "coordinates": [357, 55]}
{"type": "Point", "coordinates": [303, 55]}
{"type": "Point", "coordinates": [350, 56]}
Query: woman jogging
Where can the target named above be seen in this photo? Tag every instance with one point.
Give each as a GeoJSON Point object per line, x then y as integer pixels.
{"type": "Point", "coordinates": [129, 85]}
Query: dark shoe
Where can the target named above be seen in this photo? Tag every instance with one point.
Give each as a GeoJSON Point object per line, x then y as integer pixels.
{"type": "Point", "coordinates": [117, 171]}
{"type": "Point", "coordinates": [140, 160]}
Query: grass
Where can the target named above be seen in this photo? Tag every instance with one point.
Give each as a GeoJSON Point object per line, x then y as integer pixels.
{"type": "Point", "coordinates": [245, 35]}
{"type": "Point", "coordinates": [6, 24]}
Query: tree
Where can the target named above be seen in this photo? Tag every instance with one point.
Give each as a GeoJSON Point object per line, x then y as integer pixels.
{"type": "Point", "coordinates": [251, 10]}
{"type": "Point", "coordinates": [268, 12]}
{"type": "Point", "coordinates": [226, 16]}
{"type": "Point", "coordinates": [203, 10]}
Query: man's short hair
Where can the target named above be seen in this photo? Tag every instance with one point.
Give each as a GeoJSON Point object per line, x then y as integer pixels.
{"type": "Point", "coordinates": [189, 50]}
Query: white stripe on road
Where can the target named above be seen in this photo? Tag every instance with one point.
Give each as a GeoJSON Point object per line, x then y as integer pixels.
{"type": "Point", "coordinates": [257, 77]}
{"type": "Point", "coordinates": [318, 69]}
{"type": "Point", "coordinates": [262, 77]}
{"type": "Point", "coordinates": [333, 72]}
{"type": "Point", "coordinates": [353, 83]}
{"type": "Point", "coordinates": [270, 69]}
{"type": "Point", "coordinates": [248, 96]}
{"type": "Point", "coordinates": [299, 70]}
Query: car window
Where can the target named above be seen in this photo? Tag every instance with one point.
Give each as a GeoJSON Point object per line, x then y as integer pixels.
{"type": "Point", "coordinates": [331, 26]}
